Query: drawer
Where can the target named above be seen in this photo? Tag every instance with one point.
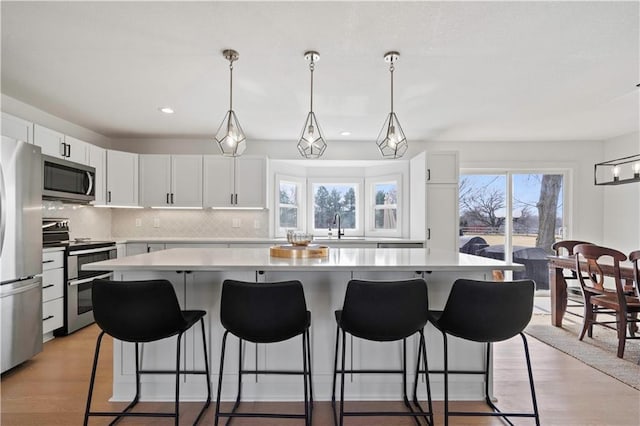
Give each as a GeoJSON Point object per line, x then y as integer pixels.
{"type": "Point", "coordinates": [52, 314]}
{"type": "Point", "coordinates": [52, 284]}
{"type": "Point", "coordinates": [52, 260]}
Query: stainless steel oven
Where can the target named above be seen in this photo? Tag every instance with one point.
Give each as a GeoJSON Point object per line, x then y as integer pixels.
{"type": "Point", "coordinates": [78, 306]}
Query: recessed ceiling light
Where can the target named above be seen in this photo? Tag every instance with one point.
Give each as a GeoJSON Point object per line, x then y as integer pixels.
{"type": "Point", "coordinates": [345, 133]}
{"type": "Point", "coordinates": [166, 110]}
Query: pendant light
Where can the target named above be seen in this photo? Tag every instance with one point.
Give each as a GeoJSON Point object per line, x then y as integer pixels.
{"type": "Point", "coordinates": [230, 137]}
{"type": "Point", "coordinates": [391, 140]}
{"type": "Point", "coordinates": [311, 143]}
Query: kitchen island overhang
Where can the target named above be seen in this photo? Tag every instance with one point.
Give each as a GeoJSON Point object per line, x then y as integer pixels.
{"type": "Point", "coordinates": [197, 275]}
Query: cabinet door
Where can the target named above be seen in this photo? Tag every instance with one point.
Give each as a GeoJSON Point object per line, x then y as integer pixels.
{"type": "Point", "coordinates": [250, 182]}
{"type": "Point", "coordinates": [218, 181]}
{"type": "Point", "coordinates": [122, 178]}
{"type": "Point", "coordinates": [442, 217]}
{"type": "Point", "coordinates": [77, 150]}
{"type": "Point", "coordinates": [186, 180]}
{"type": "Point", "coordinates": [17, 128]}
{"type": "Point", "coordinates": [155, 180]}
{"type": "Point", "coordinates": [442, 167]}
{"type": "Point", "coordinates": [98, 160]}
{"type": "Point", "coordinates": [51, 142]}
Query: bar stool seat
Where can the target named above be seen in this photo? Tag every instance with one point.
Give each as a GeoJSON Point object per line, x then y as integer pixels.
{"type": "Point", "coordinates": [141, 312]}
{"type": "Point", "coordinates": [265, 313]}
{"type": "Point", "coordinates": [485, 312]}
{"type": "Point", "coordinates": [383, 311]}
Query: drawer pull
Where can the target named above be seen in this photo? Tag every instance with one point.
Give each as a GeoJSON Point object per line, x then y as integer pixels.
{"type": "Point", "coordinates": [47, 286]}
{"type": "Point", "coordinates": [48, 261]}
{"type": "Point", "coordinates": [47, 318]}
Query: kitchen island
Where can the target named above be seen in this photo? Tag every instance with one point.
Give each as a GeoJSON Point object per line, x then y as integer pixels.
{"type": "Point", "coordinates": [197, 275]}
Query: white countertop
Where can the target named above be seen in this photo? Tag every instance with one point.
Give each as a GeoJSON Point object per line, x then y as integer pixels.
{"type": "Point", "coordinates": [347, 259]}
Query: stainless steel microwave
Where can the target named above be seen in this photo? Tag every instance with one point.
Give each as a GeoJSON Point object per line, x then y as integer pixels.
{"type": "Point", "coordinates": [67, 181]}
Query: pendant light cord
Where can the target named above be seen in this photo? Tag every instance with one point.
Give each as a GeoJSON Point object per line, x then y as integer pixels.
{"type": "Point", "coordinates": [231, 85]}
{"type": "Point", "coordinates": [311, 67]}
{"type": "Point", "coordinates": [391, 69]}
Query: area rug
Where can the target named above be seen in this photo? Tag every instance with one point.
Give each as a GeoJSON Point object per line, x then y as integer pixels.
{"type": "Point", "coordinates": [598, 352]}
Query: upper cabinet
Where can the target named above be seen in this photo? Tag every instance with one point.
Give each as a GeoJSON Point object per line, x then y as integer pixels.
{"type": "Point", "coordinates": [58, 145]}
{"type": "Point", "coordinates": [122, 178]}
{"type": "Point", "coordinates": [98, 160]}
{"type": "Point", "coordinates": [235, 182]}
{"type": "Point", "coordinates": [17, 128]}
{"type": "Point", "coordinates": [171, 180]}
{"type": "Point", "coordinates": [442, 167]}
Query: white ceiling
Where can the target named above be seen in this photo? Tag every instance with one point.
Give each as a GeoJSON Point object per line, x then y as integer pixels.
{"type": "Point", "coordinates": [467, 70]}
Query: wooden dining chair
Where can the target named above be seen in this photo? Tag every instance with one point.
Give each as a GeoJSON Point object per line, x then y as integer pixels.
{"type": "Point", "coordinates": [574, 292]}
{"type": "Point", "coordinates": [626, 306]}
{"type": "Point", "coordinates": [634, 257]}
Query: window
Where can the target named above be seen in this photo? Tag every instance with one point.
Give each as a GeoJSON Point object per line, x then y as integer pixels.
{"type": "Point", "coordinates": [383, 201]}
{"type": "Point", "coordinates": [290, 214]}
{"type": "Point", "coordinates": [330, 198]}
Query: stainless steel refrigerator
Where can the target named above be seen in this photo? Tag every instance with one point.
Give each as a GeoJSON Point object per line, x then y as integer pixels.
{"type": "Point", "coordinates": [20, 251]}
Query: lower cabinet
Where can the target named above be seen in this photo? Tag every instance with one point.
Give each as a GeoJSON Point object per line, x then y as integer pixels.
{"type": "Point", "coordinates": [52, 292]}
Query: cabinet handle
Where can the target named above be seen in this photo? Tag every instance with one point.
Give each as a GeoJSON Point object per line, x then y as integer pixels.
{"type": "Point", "coordinates": [236, 201]}
{"type": "Point", "coordinates": [428, 174]}
{"type": "Point", "coordinates": [428, 233]}
{"type": "Point", "coordinates": [48, 261]}
{"type": "Point", "coordinates": [148, 249]}
{"type": "Point", "coordinates": [231, 202]}
{"type": "Point", "coordinates": [63, 149]}
{"type": "Point", "coordinates": [47, 286]}
{"type": "Point", "coordinates": [68, 150]}
{"type": "Point", "coordinates": [172, 198]}
{"type": "Point", "coordinates": [108, 196]}
{"type": "Point", "coordinates": [168, 198]}
{"type": "Point", "coordinates": [47, 318]}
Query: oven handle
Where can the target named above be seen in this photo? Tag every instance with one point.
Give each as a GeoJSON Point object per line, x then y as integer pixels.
{"type": "Point", "coordinates": [89, 251]}
{"type": "Point", "coordinates": [88, 280]}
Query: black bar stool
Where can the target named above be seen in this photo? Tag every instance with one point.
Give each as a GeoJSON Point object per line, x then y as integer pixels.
{"type": "Point", "coordinates": [140, 312]}
{"type": "Point", "coordinates": [486, 312]}
{"type": "Point", "coordinates": [265, 313]}
{"type": "Point", "coordinates": [383, 311]}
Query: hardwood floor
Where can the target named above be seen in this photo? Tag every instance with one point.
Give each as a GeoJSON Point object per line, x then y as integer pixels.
{"type": "Point", "coordinates": [51, 388]}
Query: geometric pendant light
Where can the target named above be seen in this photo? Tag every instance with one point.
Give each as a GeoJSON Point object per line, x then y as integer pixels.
{"type": "Point", "coordinates": [230, 137]}
{"type": "Point", "coordinates": [391, 141]}
{"type": "Point", "coordinates": [311, 143]}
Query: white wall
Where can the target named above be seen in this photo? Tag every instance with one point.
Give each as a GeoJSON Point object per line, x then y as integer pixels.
{"type": "Point", "coordinates": [621, 216]}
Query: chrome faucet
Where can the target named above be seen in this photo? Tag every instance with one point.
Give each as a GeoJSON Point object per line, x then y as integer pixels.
{"type": "Point", "coordinates": [336, 220]}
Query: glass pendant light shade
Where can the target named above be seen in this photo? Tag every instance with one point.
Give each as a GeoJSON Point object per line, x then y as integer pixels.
{"type": "Point", "coordinates": [391, 140]}
{"type": "Point", "coordinates": [230, 137]}
{"type": "Point", "coordinates": [311, 143]}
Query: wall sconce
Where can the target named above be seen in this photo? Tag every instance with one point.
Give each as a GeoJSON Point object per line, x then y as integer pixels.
{"type": "Point", "coordinates": [618, 171]}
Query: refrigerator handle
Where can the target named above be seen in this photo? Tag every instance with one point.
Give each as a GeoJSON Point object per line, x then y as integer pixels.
{"type": "Point", "coordinates": [3, 210]}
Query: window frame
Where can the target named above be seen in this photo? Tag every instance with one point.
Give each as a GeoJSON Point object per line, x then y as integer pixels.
{"type": "Point", "coordinates": [358, 181]}
{"type": "Point", "coordinates": [300, 182]}
{"type": "Point", "coordinates": [371, 207]}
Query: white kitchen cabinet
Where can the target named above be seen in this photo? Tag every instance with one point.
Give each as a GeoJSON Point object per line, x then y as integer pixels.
{"type": "Point", "coordinates": [171, 180]}
{"type": "Point", "coordinates": [442, 167]}
{"type": "Point", "coordinates": [59, 145]}
{"type": "Point", "coordinates": [122, 178]}
{"type": "Point", "coordinates": [235, 182]}
{"type": "Point", "coordinates": [434, 199]}
{"type": "Point", "coordinates": [140, 248]}
{"type": "Point", "coordinates": [17, 128]}
{"type": "Point", "coordinates": [52, 292]}
{"type": "Point", "coordinates": [98, 160]}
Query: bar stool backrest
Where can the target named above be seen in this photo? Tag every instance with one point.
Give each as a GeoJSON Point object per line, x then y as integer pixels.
{"type": "Point", "coordinates": [263, 312]}
{"type": "Point", "coordinates": [488, 311]}
{"type": "Point", "coordinates": [137, 311]}
{"type": "Point", "coordinates": [385, 310]}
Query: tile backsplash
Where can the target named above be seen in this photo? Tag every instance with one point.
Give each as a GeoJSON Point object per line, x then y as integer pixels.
{"type": "Point", "coordinates": [189, 223]}
{"type": "Point", "coordinates": [105, 223]}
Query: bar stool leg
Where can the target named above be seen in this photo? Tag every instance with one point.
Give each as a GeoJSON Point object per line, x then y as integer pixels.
{"type": "Point", "coordinates": [208, 377]}
{"type": "Point", "coordinates": [533, 390]}
{"type": "Point", "coordinates": [335, 374]}
{"type": "Point", "coordinates": [177, 401]}
{"type": "Point", "coordinates": [446, 380]}
{"type": "Point", "coordinates": [422, 352]}
{"type": "Point", "coordinates": [342, 380]}
{"type": "Point", "coordinates": [304, 379]}
{"type": "Point", "coordinates": [224, 344]}
{"type": "Point", "coordinates": [309, 364]}
{"type": "Point", "coordinates": [93, 378]}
